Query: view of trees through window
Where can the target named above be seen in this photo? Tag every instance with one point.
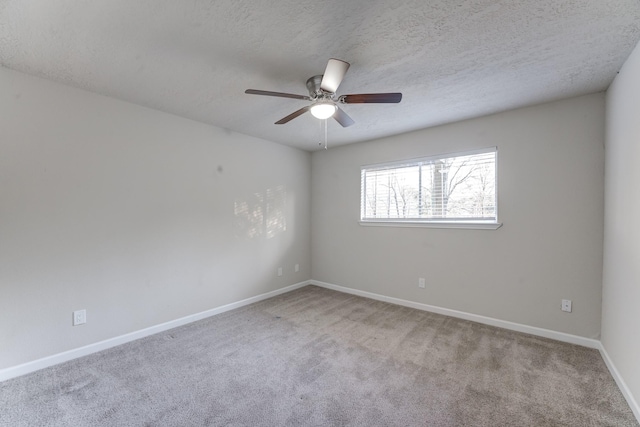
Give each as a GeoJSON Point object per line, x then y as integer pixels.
{"type": "Point", "coordinates": [462, 187]}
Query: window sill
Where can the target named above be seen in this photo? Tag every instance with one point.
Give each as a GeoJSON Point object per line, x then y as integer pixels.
{"type": "Point", "coordinates": [419, 224]}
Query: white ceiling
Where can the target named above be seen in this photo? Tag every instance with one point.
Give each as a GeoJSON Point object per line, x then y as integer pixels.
{"type": "Point", "coordinates": [451, 59]}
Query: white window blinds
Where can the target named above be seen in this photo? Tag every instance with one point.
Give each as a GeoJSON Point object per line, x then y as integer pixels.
{"type": "Point", "coordinates": [458, 187]}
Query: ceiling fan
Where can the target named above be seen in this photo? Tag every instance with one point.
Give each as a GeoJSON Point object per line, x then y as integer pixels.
{"type": "Point", "coordinates": [322, 92]}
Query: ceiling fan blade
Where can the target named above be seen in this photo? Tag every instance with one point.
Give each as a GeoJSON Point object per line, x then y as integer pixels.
{"type": "Point", "coordinates": [293, 115]}
{"type": "Point", "coordinates": [371, 98]}
{"type": "Point", "coordinates": [333, 75]}
{"type": "Point", "coordinates": [342, 118]}
{"type": "Point", "coordinates": [280, 94]}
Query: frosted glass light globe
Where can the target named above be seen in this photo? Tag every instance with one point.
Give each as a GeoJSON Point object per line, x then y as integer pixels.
{"type": "Point", "coordinates": [323, 110]}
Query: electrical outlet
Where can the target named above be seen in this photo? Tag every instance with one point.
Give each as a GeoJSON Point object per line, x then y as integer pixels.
{"type": "Point", "coordinates": [296, 268]}
{"type": "Point", "coordinates": [566, 305]}
{"type": "Point", "coordinates": [279, 271]}
{"type": "Point", "coordinates": [79, 317]}
{"type": "Point", "coordinates": [421, 283]}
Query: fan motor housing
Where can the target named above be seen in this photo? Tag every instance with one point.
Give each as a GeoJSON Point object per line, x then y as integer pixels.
{"type": "Point", "coordinates": [313, 86]}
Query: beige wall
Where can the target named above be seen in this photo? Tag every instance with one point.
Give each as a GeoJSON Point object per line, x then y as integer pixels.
{"type": "Point", "coordinates": [138, 216]}
{"type": "Point", "coordinates": [621, 278]}
{"type": "Point", "coordinates": [551, 168]}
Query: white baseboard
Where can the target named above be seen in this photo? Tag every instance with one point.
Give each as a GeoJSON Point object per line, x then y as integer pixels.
{"type": "Point", "coordinates": [518, 327]}
{"type": "Point", "coordinates": [620, 382]}
{"type": "Point", "coordinates": [26, 368]}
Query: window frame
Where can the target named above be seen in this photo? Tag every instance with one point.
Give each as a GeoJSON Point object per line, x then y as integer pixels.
{"type": "Point", "coordinates": [462, 223]}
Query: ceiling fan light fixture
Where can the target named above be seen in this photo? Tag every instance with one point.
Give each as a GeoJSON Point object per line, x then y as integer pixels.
{"type": "Point", "coordinates": [323, 110]}
{"type": "Point", "coordinates": [324, 100]}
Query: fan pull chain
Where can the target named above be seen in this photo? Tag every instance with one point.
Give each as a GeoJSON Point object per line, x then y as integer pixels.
{"type": "Point", "coordinates": [325, 133]}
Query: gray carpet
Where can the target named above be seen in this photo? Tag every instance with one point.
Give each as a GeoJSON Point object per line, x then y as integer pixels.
{"type": "Point", "coordinates": [319, 357]}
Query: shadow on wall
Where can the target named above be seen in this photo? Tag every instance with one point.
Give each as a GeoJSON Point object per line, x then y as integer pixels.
{"type": "Point", "coordinates": [262, 215]}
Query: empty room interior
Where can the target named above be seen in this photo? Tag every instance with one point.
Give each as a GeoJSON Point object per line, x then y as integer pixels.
{"type": "Point", "coordinates": [184, 240]}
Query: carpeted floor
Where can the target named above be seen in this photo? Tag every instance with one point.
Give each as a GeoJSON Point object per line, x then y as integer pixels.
{"type": "Point", "coordinates": [318, 357]}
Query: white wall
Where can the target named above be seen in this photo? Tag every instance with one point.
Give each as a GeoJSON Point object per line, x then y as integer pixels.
{"type": "Point", "coordinates": [621, 276]}
{"type": "Point", "coordinates": [551, 169]}
{"type": "Point", "coordinates": [138, 216]}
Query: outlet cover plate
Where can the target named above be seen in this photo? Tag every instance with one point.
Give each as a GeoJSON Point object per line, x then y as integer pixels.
{"type": "Point", "coordinates": [79, 317]}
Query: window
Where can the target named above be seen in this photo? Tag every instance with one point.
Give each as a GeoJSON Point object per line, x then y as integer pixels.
{"type": "Point", "coordinates": [441, 190]}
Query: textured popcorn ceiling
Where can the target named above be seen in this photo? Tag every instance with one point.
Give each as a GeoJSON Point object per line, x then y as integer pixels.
{"type": "Point", "coordinates": [451, 59]}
